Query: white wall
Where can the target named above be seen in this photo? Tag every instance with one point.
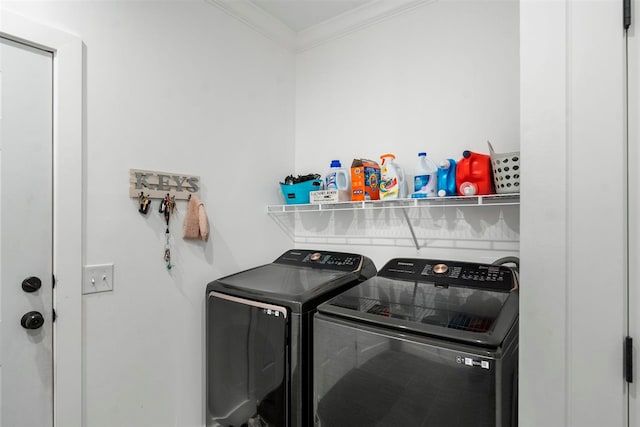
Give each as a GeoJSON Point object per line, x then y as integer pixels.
{"type": "Point", "coordinates": [441, 78]}
{"type": "Point", "coordinates": [178, 87]}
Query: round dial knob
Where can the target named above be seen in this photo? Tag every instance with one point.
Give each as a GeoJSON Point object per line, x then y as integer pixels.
{"type": "Point", "coordinates": [440, 268]}
{"type": "Point", "coordinates": [32, 320]}
{"type": "Point", "coordinates": [315, 256]}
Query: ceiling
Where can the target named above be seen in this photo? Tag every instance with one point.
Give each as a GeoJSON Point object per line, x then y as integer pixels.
{"type": "Point", "coordinates": [300, 15]}
{"type": "Point", "coordinates": [303, 24]}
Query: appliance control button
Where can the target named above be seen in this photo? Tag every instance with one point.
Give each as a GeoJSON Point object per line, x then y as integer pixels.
{"type": "Point", "coordinates": [440, 268]}
{"type": "Point", "coordinates": [315, 256]}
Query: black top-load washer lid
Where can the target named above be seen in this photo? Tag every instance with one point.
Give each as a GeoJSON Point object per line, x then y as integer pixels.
{"type": "Point", "coordinates": [464, 302]}
{"type": "Point", "coordinates": [298, 278]}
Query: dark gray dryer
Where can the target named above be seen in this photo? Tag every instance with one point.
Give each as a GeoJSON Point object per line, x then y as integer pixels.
{"type": "Point", "coordinates": [424, 343]}
{"type": "Point", "coordinates": [259, 335]}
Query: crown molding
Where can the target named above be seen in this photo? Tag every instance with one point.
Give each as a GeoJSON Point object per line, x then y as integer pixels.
{"type": "Point", "coordinates": [361, 17]}
{"type": "Point", "coordinates": [354, 20]}
{"type": "Point", "coordinates": [259, 20]}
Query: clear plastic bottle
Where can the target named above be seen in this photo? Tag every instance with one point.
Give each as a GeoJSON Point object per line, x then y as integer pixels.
{"type": "Point", "coordinates": [337, 178]}
{"type": "Point", "coordinates": [425, 181]}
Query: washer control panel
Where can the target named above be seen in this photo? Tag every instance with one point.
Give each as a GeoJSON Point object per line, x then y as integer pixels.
{"type": "Point", "coordinates": [454, 273]}
{"type": "Point", "coordinates": [321, 259]}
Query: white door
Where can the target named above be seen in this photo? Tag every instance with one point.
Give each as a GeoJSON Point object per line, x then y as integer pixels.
{"type": "Point", "coordinates": [26, 135]}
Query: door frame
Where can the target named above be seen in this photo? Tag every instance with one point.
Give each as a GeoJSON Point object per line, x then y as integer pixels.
{"type": "Point", "coordinates": [68, 202]}
{"type": "Point", "coordinates": [633, 195]}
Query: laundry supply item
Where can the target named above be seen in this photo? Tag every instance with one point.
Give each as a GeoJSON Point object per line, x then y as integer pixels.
{"type": "Point", "coordinates": [506, 170]}
{"type": "Point", "coordinates": [295, 190]}
{"type": "Point", "coordinates": [468, 189]}
{"type": "Point", "coordinates": [474, 168]}
{"type": "Point", "coordinates": [425, 178]}
{"type": "Point", "coordinates": [338, 178]}
{"type": "Point", "coordinates": [447, 178]}
{"type": "Point", "coordinates": [391, 178]}
{"type": "Point", "coordinates": [196, 223]}
{"type": "Point", "coordinates": [365, 176]}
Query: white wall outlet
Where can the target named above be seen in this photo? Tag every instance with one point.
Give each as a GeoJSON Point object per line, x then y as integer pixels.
{"type": "Point", "coordinates": [97, 278]}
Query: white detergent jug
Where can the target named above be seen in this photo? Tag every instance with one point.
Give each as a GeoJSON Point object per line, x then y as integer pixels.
{"type": "Point", "coordinates": [337, 178]}
{"type": "Point", "coordinates": [391, 179]}
{"type": "Point", "coordinates": [425, 179]}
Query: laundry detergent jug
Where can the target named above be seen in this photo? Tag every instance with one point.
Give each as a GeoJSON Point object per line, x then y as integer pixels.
{"type": "Point", "coordinates": [473, 174]}
{"type": "Point", "coordinates": [338, 178]}
{"type": "Point", "coordinates": [425, 178]}
{"type": "Point", "coordinates": [447, 178]}
{"type": "Point", "coordinates": [391, 179]}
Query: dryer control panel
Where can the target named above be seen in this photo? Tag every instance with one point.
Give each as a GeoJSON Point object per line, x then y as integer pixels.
{"type": "Point", "coordinates": [321, 259]}
{"type": "Point", "coordinates": [451, 273]}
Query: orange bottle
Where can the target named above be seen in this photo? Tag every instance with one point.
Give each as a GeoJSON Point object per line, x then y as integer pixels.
{"type": "Point", "coordinates": [473, 174]}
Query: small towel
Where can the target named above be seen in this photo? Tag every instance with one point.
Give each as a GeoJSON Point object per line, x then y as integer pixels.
{"type": "Point", "coordinates": [196, 223]}
{"type": "Point", "coordinates": [203, 221]}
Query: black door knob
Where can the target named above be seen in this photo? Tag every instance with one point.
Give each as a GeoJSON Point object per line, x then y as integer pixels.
{"type": "Point", "coordinates": [32, 320]}
{"type": "Point", "coordinates": [31, 284]}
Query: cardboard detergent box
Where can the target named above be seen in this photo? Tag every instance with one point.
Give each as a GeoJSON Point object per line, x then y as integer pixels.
{"type": "Point", "coordinates": [365, 176]}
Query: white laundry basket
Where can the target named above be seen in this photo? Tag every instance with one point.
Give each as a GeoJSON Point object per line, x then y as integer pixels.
{"type": "Point", "coordinates": [506, 170]}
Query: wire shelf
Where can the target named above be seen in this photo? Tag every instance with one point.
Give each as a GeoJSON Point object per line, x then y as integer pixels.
{"type": "Point", "coordinates": [281, 212]}
{"type": "Point", "coordinates": [451, 201]}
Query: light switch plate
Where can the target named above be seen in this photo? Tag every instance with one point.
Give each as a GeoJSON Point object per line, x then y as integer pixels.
{"type": "Point", "coordinates": [97, 278]}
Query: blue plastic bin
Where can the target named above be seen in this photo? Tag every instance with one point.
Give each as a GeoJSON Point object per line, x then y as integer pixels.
{"type": "Point", "coordinates": [295, 194]}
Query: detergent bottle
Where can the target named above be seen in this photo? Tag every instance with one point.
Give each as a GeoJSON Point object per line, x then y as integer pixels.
{"type": "Point", "coordinates": [473, 174]}
{"type": "Point", "coordinates": [337, 178]}
{"type": "Point", "coordinates": [391, 179]}
{"type": "Point", "coordinates": [425, 179]}
{"type": "Point", "coordinates": [447, 178]}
